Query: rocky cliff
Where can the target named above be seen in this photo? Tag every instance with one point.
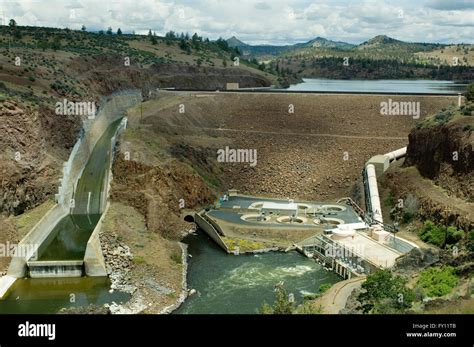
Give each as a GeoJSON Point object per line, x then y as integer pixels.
{"type": "Point", "coordinates": [437, 176]}
{"type": "Point", "coordinates": [441, 148]}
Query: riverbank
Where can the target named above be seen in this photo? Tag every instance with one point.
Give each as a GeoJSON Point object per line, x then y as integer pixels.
{"type": "Point", "coordinates": [149, 267]}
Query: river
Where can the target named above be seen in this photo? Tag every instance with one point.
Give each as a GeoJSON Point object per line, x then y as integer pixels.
{"type": "Point", "coordinates": [49, 295]}
{"type": "Point", "coordinates": [229, 284]}
{"type": "Point", "coordinates": [374, 86]}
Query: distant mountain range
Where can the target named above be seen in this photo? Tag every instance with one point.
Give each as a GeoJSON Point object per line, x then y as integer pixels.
{"type": "Point", "coordinates": [320, 43]}
{"type": "Point", "coordinates": [259, 50]}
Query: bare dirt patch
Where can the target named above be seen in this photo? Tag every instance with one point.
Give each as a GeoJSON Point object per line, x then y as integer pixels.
{"type": "Point", "coordinates": [300, 154]}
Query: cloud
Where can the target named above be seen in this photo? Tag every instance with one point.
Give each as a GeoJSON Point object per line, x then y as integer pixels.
{"type": "Point", "coordinates": [262, 6]}
{"type": "Point", "coordinates": [254, 22]}
{"type": "Point", "coordinates": [450, 5]}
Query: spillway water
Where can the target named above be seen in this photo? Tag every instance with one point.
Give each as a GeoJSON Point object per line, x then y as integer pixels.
{"type": "Point", "coordinates": [229, 284]}
{"type": "Point", "coordinates": [68, 241]}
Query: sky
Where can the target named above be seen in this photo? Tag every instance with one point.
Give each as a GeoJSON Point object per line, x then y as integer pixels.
{"type": "Point", "coordinates": [275, 22]}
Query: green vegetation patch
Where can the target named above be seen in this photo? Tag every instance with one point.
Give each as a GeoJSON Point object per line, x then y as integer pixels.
{"type": "Point", "coordinates": [176, 257]}
{"type": "Point", "coordinates": [389, 200]}
{"type": "Point", "coordinates": [442, 117]}
{"type": "Point", "coordinates": [470, 241]}
{"type": "Point", "coordinates": [282, 304]}
{"type": "Point", "coordinates": [243, 244]}
{"type": "Point", "coordinates": [437, 281]}
{"type": "Point", "coordinates": [385, 293]}
{"type": "Point", "coordinates": [440, 235]}
{"type": "Point", "coordinates": [139, 259]}
{"type": "Point", "coordinates": [469, 94]}
{"type": "Point", "coordinates": [452, 112]}
{"type": "Point", "coordinates": [324, 287]}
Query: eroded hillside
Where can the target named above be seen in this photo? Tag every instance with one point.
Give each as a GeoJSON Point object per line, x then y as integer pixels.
{"type": "Point", "coordinates": [40, 67]}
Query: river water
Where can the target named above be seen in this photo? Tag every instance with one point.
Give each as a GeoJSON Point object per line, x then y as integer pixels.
{"type": "Point", "coordinates": [229, 284]}
{"type": "Point", "coordinates": [377, 86]}
{"type": "Point", "coordinates": [49, 295]}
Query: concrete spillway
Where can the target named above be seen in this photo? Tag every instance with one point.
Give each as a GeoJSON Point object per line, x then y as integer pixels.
{"type": "Point", "coordinates": [66, 239]}
{"type": "Point", "coordinates": [62, 252]}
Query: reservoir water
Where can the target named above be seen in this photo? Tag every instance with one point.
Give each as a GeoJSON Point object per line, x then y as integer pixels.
{"type": "Point", "coordinates": [374, 86]}
{"type": "Point", "coordinates": [229, 284]}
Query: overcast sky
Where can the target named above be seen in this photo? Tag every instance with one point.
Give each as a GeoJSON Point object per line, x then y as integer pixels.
{"type": "Point", "coordinates": [259, 21]}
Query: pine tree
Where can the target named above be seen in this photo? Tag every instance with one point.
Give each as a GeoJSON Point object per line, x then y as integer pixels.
{"type": "Point", "coordinates": [153, 39]}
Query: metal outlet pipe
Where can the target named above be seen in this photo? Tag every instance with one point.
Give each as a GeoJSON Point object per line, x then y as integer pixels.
{"type": "Point", "coordinates": [396, 154]}
{"type": "Point", "coordinates": [374, 193]}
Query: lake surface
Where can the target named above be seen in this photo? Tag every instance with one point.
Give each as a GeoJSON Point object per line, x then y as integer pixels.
{"type": "Point", "coordinates": [229, 284]}
{"type": "Point", "coordinates": [384, 86]}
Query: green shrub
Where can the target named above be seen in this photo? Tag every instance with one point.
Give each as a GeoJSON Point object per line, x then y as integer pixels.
{"type": "Point", "coordinates": [470, 241]}
{"type": "Point", "coordinates": [407, 217]}
{"type": "Point", "coordinates": [385, 293]}
{"type": "Point", "coordinates": [176, 257]}
{"type": "Point", "coordinates": [138, 259]}
{"type": "Point", "coordinates": [470, 92]}
{"type": "Point", "coordinates": [454, 235]}
{"type": "Point", "coordinates": [388, 202]}
{"type": "Point", "coordinates": [440, 235]}
{"type": "Point", "coordinates": [431, 233]}
{"type": "Point", "coordinates": [282, 304]}
{"type": "Point", "coordinates": [438, 281]}
{"type": "Point", "coordinates": [323, 287]}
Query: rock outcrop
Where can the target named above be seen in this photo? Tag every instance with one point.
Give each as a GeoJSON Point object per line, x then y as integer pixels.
{"type": "Point", "coordinates": [443, 152]}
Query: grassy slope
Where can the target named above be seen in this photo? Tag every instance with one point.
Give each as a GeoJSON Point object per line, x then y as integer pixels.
{"type": "Point", "coordinates": [57, 47]}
